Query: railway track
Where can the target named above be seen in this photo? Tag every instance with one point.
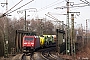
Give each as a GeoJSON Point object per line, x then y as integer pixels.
{"type": "Point", "coordinates": [47, 55]}
{"type": "Point", "coordinates": [28, 56]}
{"type": "Point", "coordinates": [44, 54]}
{"type": "Point", "coordinates": [17, 57]}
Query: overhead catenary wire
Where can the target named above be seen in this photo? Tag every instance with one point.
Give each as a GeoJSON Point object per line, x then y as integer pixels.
{"type": "Point", "coordinates": [80, 6]}
{"type": "Point", "coordinates": [81, 17]}
{"type": "Point", "coordinates": [30, 8]}
{"type": "Point", "coordinates": [51, 17]}
{"type": "Point", "coordinates": [50, 5]}
{"type": "Point", "coordinates": [21, 6]}
{"type": "Point", "coordinates": [76, 4]}
{"type": "Point", "coordinates": [71, 6]}
{"type": "Point", "coordinates": [86, 2]}
{"type": "Point", "coordinates": [13, 6]}
{"type": "Point", "coordinates": [56, 13]}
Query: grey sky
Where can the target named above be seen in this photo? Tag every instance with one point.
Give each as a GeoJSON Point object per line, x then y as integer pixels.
{"type": "Point", "coordinates": [45, 6]}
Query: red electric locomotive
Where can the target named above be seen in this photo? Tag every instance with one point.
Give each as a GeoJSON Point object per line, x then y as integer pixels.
{"type": "Point", "coordinates": [30, 43]}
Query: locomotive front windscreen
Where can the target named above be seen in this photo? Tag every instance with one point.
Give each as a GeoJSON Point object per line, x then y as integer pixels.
{"type": "Point", "coordinates": [29, 38]}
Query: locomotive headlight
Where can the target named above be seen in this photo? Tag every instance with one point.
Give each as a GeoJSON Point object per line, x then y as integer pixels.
{"type": "Point", "coordinates": [25, 43]}
{"type": "Point", "coordinates": [32, 43]}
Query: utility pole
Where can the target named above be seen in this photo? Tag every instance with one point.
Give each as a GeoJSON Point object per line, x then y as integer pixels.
{"type": "Point", "coordinates": [25, 21]}
{"type": "Point", "coordinates": [69, 5]}
{"type": "Point", "coordinates": [72, 36]}
{"type": "Point", "coordinates": [86, 33]}
{"type": "Point", "coordinates": [68, 31]}
{"type": "Point", "coordinates": [6, 33]}
{"type": "Point", "coordinates": [25, 24]}
{"type": "Point", "coordinates": [41, 27]}
{"type": "Point", "coordinates": [68, 42]}
{"type": "Point", "coordinates": [59, 24]}
{"type": "Point", "coordinates": [63, 25]}
{"type": "Point", "coordinates": [86, 41]}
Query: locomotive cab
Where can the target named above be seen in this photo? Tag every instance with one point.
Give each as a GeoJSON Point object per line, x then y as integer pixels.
{"type": "Point", "coordinates": [30, 43]}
